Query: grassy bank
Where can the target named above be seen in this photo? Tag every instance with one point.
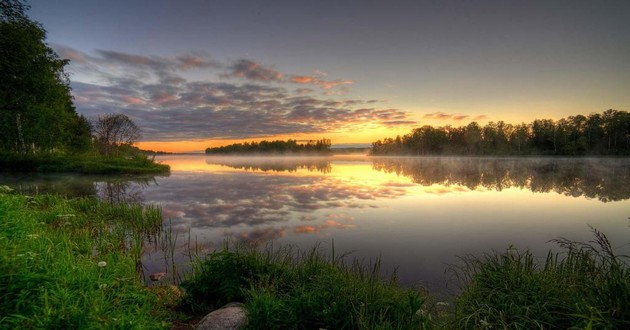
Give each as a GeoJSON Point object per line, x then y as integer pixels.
{"type": "Point", "coordinates": [85, 164]}
{"type": "Point", "coordinates": [585, 287]}
{"type": "Point", "coordinates": [72, 264]}
{"type": "Point", "coordinates": [286, 289]}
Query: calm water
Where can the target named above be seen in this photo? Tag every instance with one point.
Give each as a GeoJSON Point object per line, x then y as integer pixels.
{"type": "Point", "coordinates": [418, 214]}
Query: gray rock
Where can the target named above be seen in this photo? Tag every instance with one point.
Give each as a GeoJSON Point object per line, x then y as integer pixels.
{"type": "Point", "coordinates": [232, 316]}
{"type": "Point", "coordinates": [157, 276]}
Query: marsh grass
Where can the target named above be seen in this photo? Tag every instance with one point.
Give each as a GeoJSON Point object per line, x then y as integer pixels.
{"type": "Point", "coordinates": [586, 286]}
{"type": "Point", "coordinates": [85, 164]}
{"type": "Point", "coordinates": [72, 263]}
{"type": "Point", "coordinates": [289, 289]}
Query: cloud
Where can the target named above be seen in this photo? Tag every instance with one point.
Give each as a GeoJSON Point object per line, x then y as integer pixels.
{"type": "Point", "coordinates": [315, 80]}
{"type": "Point", "coordinates": [449, 116]}
{"type": "Point", "coordinates": [301, 91]}
{"type": "Point", "coordinates": [168, 106]}
{"type": "Point", "coordinates": [253, 71]}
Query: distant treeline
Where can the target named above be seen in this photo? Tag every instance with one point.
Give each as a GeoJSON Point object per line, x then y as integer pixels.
{"type": "Point", "coordinates": [607, 133]}
{"type": "Point", "coordinates": [275, 147]}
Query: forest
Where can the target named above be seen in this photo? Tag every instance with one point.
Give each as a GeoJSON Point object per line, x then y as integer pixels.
{"type": "Point", "coordinates": [40, 129]}
{"type": "Point", "coordinates": [606, 133]}
{"type": "Point", "coordinates": [276, 147]}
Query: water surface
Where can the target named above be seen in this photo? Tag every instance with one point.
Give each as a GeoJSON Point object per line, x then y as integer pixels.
{"type": "Point", "coordinates": [418, 214]}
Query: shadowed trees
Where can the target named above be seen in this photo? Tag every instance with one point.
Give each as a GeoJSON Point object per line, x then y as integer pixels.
{"type": "Point", "coordinates": [275, 147]}
{"type": "Point", "coordinates": [36, 110]}
{"type": "Point", "coordinates": [113, 132]}
{"type": "Point", "coordinates": [598, 134]}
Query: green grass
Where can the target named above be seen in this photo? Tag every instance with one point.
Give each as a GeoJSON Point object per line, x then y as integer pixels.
{"type": "Point", "coordinates": [69, 264]}
{"type": "Point", "coordinates": [585, 287]}
{"type": "Point", "coordinates": [85, 164]}
{"type": "Point", "coordinates": [286, 289]}
{"type": "Point", "coordinates": [74, 263]}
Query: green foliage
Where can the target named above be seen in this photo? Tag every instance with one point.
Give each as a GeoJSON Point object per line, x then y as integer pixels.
{"type": "Point", "coordinates": [277, 147]}
{"type": "Point", "coordinates": [36, 111]}
{"type": "Point", "coordinates": [598, 134]}
{"type": "Point", "coordinates": [303, 290]}
{"type": "Point", "coordinates": [85, 164]}
{"type": "Point", "coordinates": [72, 264]}
{"type": "Point", "coordinates": [586, 287]}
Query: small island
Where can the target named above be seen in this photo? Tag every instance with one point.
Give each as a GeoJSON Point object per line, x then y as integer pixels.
{"type": "Point", "coordinates": [278, 147]}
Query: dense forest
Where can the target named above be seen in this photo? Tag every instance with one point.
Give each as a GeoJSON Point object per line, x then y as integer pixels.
{"type": "Point", "coordinates": [36, 109]}
{"type": "Point", "coordinates": [274, 147]}
{"type": "Point", "coordinates": [40, 129]}
{"type": "Point", "coordinates": [607, 133]}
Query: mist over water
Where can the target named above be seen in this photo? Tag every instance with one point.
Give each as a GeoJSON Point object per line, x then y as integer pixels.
{"type": "Point", "coordinates": [418, 214]}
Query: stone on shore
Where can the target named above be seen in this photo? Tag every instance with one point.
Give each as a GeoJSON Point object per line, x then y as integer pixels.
{"type": "Point", "coordinates": [229, 317]}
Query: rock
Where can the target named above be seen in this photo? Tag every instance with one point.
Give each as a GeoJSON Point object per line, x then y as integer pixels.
{"type": "Point", "coordinates": [229, 317]}
{"type": "Point", "coordinates": [157, 276]}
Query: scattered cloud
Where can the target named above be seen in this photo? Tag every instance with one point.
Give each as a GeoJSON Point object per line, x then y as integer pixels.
{"type": "Point", "coordinates": [168, 106]}
{"type": "Point", "coordinates": [314, 80]}
{"type": "Point", "coordinates": [450, 116]}
{"type": "Point", "coordinates": [253, 71]}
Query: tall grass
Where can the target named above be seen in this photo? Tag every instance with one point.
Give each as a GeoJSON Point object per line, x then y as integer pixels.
{"type": "Point", "coordinates": [586, 286]}
{"type": "Point", "coordinates": [72, 264]}
{"type": "Point", "coordinates": [289, 289]}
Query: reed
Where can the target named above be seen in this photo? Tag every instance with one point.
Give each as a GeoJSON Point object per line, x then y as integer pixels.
{"type": "Point", "coordinates": [587, 286]}
{"type": "Point", "coordinates": [284, 288]}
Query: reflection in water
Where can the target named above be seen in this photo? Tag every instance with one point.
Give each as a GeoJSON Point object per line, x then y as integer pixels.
{"type": "Point", "coordinates": [604, 179]}
{"type": "Point", "coordinates": [278, 164]}
{"type": "Point", "coordinates": [113, 189]}
{"type": "Point", "coordinates": [418, 213]}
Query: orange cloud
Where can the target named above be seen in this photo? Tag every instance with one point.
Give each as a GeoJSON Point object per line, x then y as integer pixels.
{"type": "Point", "coordinates": [303, 79]}
{"type": "Point", "coordinates": [450, 116]}
{"type": "Point", "coordinates": [133, 100]}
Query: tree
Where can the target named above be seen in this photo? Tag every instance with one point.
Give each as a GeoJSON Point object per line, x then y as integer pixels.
{"type": "Point", "coordinates": [114, 131]}
{"type": "Point", "coordinates": [35, 102]}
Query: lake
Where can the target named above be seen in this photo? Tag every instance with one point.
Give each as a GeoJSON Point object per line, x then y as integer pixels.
{"type": "Point", "coordinates": [417, 214]}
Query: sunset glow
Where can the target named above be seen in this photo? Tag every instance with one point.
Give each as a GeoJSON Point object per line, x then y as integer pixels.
{"type": "Point", "coordinates": [206, 74]}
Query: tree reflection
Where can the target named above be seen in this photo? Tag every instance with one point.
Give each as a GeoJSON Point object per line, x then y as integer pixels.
{"type": "Point", "coordinates": [127, 189]}
{"type": "Point", "coordinates": [275, 164]}
{"type": "Point", "coordinates": [603, 179]}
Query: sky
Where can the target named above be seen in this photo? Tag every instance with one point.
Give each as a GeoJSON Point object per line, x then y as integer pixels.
{"type": "Point", "coordinates": [195, 74]}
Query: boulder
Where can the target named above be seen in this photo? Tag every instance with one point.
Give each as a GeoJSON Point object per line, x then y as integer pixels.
{"type": "Point", "coordinates": [157, 276]}
{"type": "Point", "coordinates": [232, 316]}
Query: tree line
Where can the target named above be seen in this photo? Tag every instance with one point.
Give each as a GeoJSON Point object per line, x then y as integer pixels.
{"type": "Point", "coordinates": [37, 114]}
{"type": "Point", "coordinates": [607, 133]}
{"type": "Point", "coordinates": [277, 146]}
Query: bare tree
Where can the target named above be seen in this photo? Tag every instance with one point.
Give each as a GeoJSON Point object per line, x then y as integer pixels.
{"type": "Point", "coordinates": [113, 131]}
